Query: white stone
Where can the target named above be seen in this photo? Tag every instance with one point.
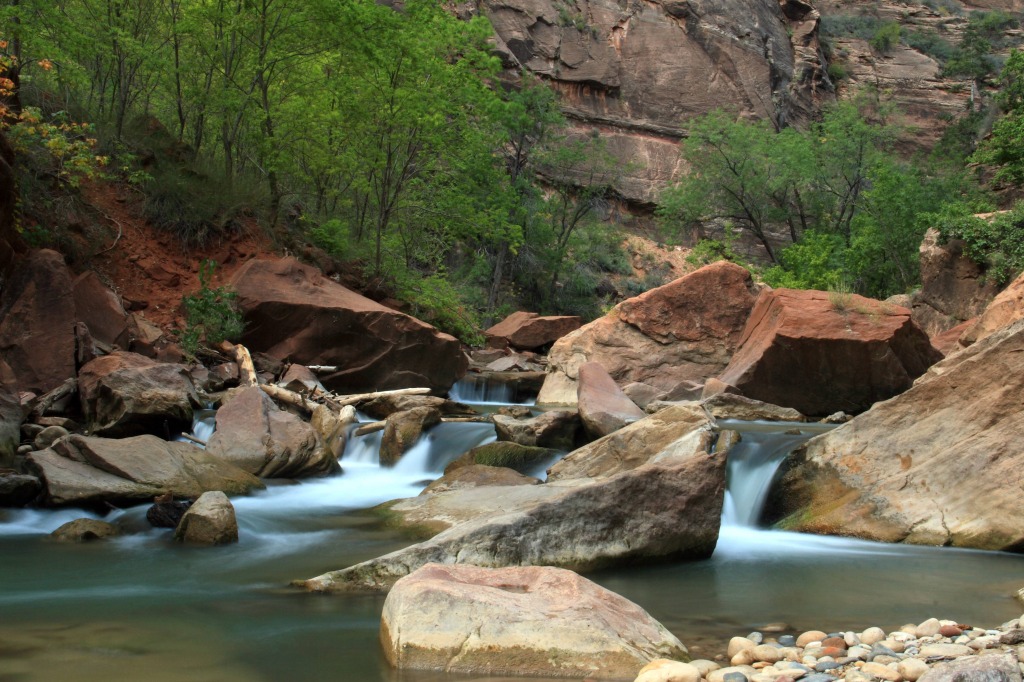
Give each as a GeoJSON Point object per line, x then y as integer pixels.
{"type": "Point", "coordinates": [738, 644]}
{"type": "Point", "coordinates": [912, 668]}
{"type": "Point", "coordinates": [810, 637]}
{"type": "Point", "coordinates": [928, 628]}
{"type": "Point", "coordinates": [663, 670]}
{"type": "Point", "coordinates": [871, 636]}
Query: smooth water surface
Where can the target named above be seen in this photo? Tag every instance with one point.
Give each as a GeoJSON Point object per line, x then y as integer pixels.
{"type": "Point", "coordinates": [142, 607]}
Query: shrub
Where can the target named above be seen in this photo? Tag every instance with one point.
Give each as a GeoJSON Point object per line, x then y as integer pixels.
{"type": "Point", "coordinates": [885, 38]}
{"type": "Point", "coordinates": [211, 315]}
{"type": "Point", "coordinates": [997, 242]}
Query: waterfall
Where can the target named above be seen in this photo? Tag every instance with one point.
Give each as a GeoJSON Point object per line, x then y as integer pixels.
{"type": "Point", "coordinates": [484, 391]}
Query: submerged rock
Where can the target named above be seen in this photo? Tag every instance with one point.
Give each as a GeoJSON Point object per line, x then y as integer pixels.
{"type": "Point", "coordinates": [940, 464]}
{"type": "Point", "coordinates": [475, 475]}
{"type": "Point", "coordinates": [85, 530]}
{"type": "Point", "coordinates": [209, 521]}
{"type": "Point", "coordinates": [403, 429]}
{"type": "Point", "coordinates": [521, 458]}
{"type": "Point", "coordinates": [517, 621]}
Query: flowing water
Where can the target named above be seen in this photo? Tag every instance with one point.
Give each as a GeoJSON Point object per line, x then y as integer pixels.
{"type": "Point", "coordinates": [142, 607]}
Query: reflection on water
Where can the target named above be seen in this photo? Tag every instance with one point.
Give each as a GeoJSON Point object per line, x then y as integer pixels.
{"type": "Point", "coordinates": [143, 607]}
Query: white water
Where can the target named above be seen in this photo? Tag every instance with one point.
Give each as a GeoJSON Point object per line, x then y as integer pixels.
{"type": "Point", "coordinates": [481, 391]}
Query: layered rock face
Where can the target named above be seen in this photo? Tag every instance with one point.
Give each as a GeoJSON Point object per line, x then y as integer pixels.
{"type": "Point", "coordinates": [940, 464]}
{"type": "Point", "coordinates": [819, 354]}
{"type": "Point", "coordinates": [684, 331]}
{"type": "Point", "coordinates": [518, 621]}
{"type": "Point", "coordinates": [638, 70]}
{"type": "Point", "coordinates": [293, 312]}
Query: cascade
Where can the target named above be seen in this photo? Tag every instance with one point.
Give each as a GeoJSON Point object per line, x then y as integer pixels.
{"type": "Point", "coordinates": [476, 390]}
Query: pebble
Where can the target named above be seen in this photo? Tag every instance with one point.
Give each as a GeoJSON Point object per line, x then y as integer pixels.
{"type": "Point", "coordinates": [787, 640]}
{"type": "Point", "coordinates": [880, 649]}
{"type": "Point", "coordinates": [738, 644]}
{"type": "Point", "coordinates": [946, 650]}
{"type": "Point", "coordinates": [756, 637]}
{"type": "Point", "coordinates": [810, 636]}
{"type": "Point", "coordinates": [912, 668]}
{"type": "Point", "coordinates": [928, 628]}
{"type": "Point", "coordinates": [882, 672]}
{"type": "Point", "coordinates": [767, 653]}
{"type": "Point", "coordinates": [872, 636]}
{"type": "Point", "coordinates": [663, 670]}
{"type": "Point", "coordinates": [950, 631]}
{"type": "Point", "coordinates": [819, 677]}
{"type": "Point", "coordinates": [825, 666]}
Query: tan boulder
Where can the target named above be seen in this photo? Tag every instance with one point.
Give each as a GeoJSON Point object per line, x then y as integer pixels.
{"type": "Point", "coordinates": [85, 530]}
{"type": "Point", "coordinates": [821, 352]}
{"type": "Point", "coordinates": [210, 520]}
{"type": "Point", "coordinates": [556, 429]}
{"type": "Point", "coordinates": [521, 458]}
{"type": "Point", "coordinates": [37, 322]}
{"type": "Point", "coordinates": [530, 331]}
{"type": "Point", "coordinates": [475, 475]}
{"type": "Point", "coordinates": [81, 470]}
{"type": "Point", "coordinates": [582, 525]}
{"type": "Point", "coordinates": [403, 429]}
{"type": "Point", "coordinates": [679, 430]}
{"type": "Point", "coordinates": [292, 311]}
{"type": "Point", "coordinates": [517, 621]}
{"type": "Point", "coordinates": [603, 407]}
{"type": "Point", "coordinates": [940, 464]}
{"type": "Point", "coordinates": [732, 406]}
{"type": "Point", "coordinates": [126, 394]}
{"type": "Point", "coordinates": [682, 332]}
{"type": "Point", "coordinates": [255, 435]}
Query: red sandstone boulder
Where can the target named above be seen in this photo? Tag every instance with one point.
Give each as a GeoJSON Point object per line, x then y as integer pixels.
{"type": "Point", "coordinates": [125, 394]}
{"type": "Point", "coordinates": [820, 352]}
{"type": "Point", "coordinates": [292, 311]}
{"type": "Point", "coordinates": [679, 333]}
{"type": "Point", "coordinates": [257, 436]}
{"type": "Point", "coordinates": [604, 408]}
{"type": "Point", "coordinates": [101, 311]}
{"type": "Point", "coordinates": [37, 322]}
{"type": "Point", "coordinates": [1005, 309]}
{"type": "Point", "coordinates": [530, 331]}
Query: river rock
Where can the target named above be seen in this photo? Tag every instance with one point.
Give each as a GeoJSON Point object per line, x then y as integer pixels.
{"type": "Point", "coordinates": [332, 428]}
{"type": "Point", "coordinates": [678, 431]}
{"type": "Point", "coordinates": [1005, 309]}
{"type": "Point", "coordinates": [556, 429]}
{"type": "Point", "coordinates": [517, 621]}
{"type": "Point", "coordinates": [474, 475]}
{"type": "Point", "coordinates": [37, 322]}
{"type": "Point", "coordinates": [820, 352]}
{"type": "Point", "coordinates": [17, 490]}
{"type": "Point", "coordinates": [403, 429]}
{"type": "Point", "coordinates": [146, 338]}
{"type": "Point", "coordinates": [992, 668]}
{"type": "Point", "coordinates": [603, 407]}
{"type": "Point", "coordinates": [300, 379]}
{"type": "Point", "coordinates": [167, 512]}
{"type": "Point", "coordinates": [85, 530]}
{"type": "Point", "coordinates": [292, 311]}
{"type": "Point", "coordinates": [940, 464]}
{"type": "Point", "coordinates": [257, 436]}
{"type": "Point", "coordinates": [664, 670]}
{"type": "Point", "coordinates": [101, 311]}
{"type": "Point", "coordinates": [209, 521]}
{"type": "Point", "coordinates": [521, 458]}
{"type": "Point", "coordinates": [732, 406]}
{"type": "Point", "coordinates": [384, 406]}
{"type": "Point", "coordinates": [580, 525]}
{"type": "Point", "coordinates": [681, 332]}
{"type": "Point", "coordinates": [530, 331]}
{"type": "Point", "coordinates": [125, 394]}
{"type": "Point", "coordinates": [82, 470]}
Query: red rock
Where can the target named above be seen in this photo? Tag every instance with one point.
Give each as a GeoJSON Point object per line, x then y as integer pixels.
{"type": "Point", "coordinates": [948, 341]}
{"type": "Point", "coordinates": [1004, 310]}
{"type": "Point", "coordinates": [950, 631]}
{"type": "Point", "coordinates": [37, 322]}
{"type": "Point", "coordinates": [292, 311]}
{"type": "Point", "coordinates": [819, 354]}
{"type": "Point", "coordinates": [834, 642]}
{"type": "Point", "coordinates": [682, 332]}
{"type": "Point", "coordinates": [528, 331]}
{"type": "Point", "coordinates": [953, 287]}
{"type": "Point", "coordinates": [101, 310]}
{"type": "Point", "coordinates": [604, 408]}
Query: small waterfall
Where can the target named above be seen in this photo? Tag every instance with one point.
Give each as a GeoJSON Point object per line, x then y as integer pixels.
{"type": "Point", "coordinates": [752, 465]}
{"type": "Point", "coordinates": [485, 391]}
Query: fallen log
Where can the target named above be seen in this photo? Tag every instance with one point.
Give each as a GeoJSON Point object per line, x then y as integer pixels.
{"type": "Point", "coordinates": [366, 429]}
{"type": "Point", "coordinates": [290, 397]}
{"type": "Point", "coordinates": [361, 397]}
{"type": "Point", "coordinates": [46, 401]}
{"type": "Point", "coordinates": [193, 439]}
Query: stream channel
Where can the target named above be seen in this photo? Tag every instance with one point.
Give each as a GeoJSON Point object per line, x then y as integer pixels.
{"type": "Point", "coordinates": [142, 607]}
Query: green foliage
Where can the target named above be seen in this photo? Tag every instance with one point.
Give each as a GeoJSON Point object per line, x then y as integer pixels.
{"type": "Point", "coordinates": [211, 315]}
{"type": "Point", "coordinates": [885, 37]}
{"type": "Point", "coordinates": [929, 43]}
{"type": "Point", "coordinates": [1004, 148]}
{"type": "Point", "coordinates": [707, 251]}
{"type": "Point", "coordinates": [974, 56]}
{"type": "Point", "coordinates": [436, 300]}
{"type": "Point", "coordinates": [997, 241]}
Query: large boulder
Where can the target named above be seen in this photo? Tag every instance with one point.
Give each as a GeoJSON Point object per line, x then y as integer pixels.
{"type": "Point", "coordinates": [822, 352]}
{"type": "Point", "coordinates": [125, 394]}
{"type": "Point", "coordinates": [101, 311]}
{"type": "Point", "coordinates": [209, 521]}
{"type": "Point", "coordinates": [292, 311]}
{"type": "Point", "coordinates": [257, 436]}
{"type": "Point", "coordinates": [530, 331]}
{"type": "Point", "coordinates": [677, 431]}
{"type": "Point", "coordinates": [684, 331]}
{"type": "Point", "coordinates": [81, 470]}
{"type": "Point", "coordinates": [518, 621]}
{"type": "Point", "coordinates": [403, 429]}
{"type": "Point", "coordinates": [476, 475]}
{"type": "Point", "coordinates": [603, 407]}
{"type": "Point", "coordinates": [37, 322]}
{"type": "Point", "coordinates": [557, 429]}
{"type": "Point", "coordinates": [939, 465]}
{"type": "Point", "coordinates": [670, 509]}
{"type": "Point", "coordinates": [1005, 309]}
{"type": "Point", "coordinates": [954, 288]}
